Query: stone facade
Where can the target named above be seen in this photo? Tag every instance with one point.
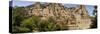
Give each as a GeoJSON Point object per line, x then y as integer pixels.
{"type": "Point", "coordinates": [74, 18]}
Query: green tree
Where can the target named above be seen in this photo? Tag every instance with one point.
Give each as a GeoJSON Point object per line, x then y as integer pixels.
{"type": "Point", "coordinates": [17, 17]}
{"type": "Point", "coordinates": [95, 18]}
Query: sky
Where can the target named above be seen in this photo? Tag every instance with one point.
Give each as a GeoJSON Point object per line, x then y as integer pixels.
{"type": "Point", "coordinates": [89, 8]}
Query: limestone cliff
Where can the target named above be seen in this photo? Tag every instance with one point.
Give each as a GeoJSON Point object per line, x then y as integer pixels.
{"type": "Point", "coordinates": [74, 18]}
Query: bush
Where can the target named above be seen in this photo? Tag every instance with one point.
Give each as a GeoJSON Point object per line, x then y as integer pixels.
{"type": "Point", "coordinates": [30, 23]}
{"type": "Point", "coordinates": [17, 29]}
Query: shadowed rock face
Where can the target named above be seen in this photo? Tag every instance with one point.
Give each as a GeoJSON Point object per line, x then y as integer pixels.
{"type": "Point", "coordinates": [74, 18]}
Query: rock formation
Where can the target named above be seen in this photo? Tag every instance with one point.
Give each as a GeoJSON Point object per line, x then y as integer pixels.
{"type": "Point", "coordinates": [74, 18]}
